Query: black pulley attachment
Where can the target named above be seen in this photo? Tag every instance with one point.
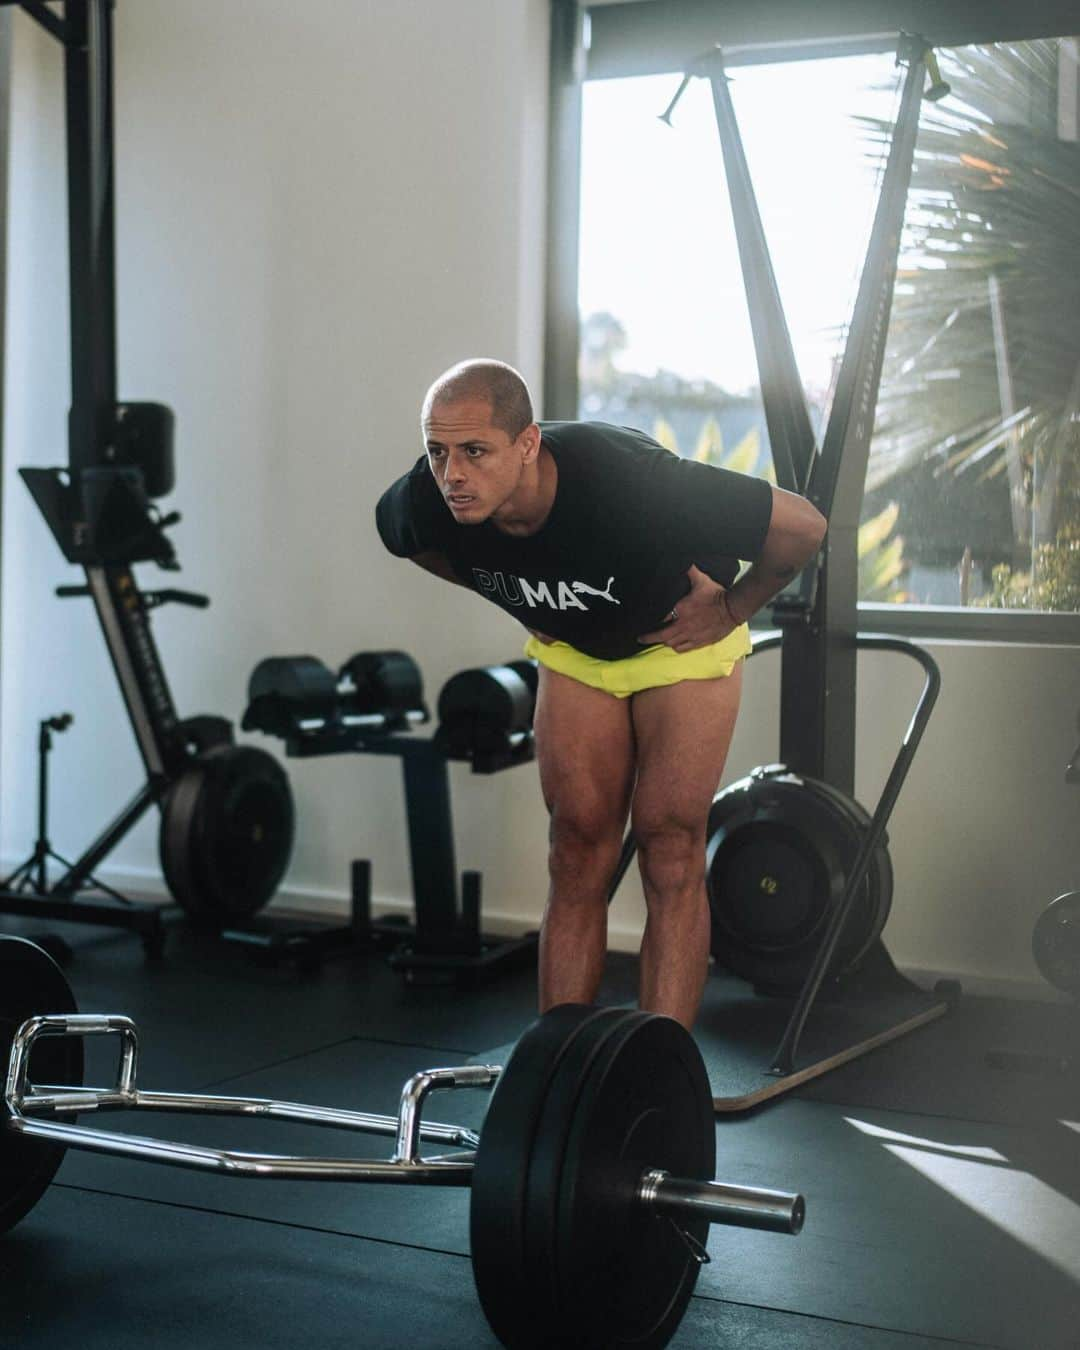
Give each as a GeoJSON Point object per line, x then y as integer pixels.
{"type": "Point", "coordinates": [487, 710]}
{"type": "Point", "coordinates": [564, 1253]}
{"type": "Point", "coordinates": [31, 983]}
{"type": "Point", "coordinates": [227, 828]}
{"type": "Point", "coordinates": [1055, 943]}
{"type": "Point", "coordinates": [780, 851]}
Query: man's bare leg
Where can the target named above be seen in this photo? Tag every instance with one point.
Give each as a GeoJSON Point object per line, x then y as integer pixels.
{"type": "Point", "coordinates": [683, 732]}
{"type": "Point", "coordinates": [585, 749]}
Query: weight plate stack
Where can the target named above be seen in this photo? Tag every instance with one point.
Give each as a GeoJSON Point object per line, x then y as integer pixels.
{"type": "Point", "coordinates": [779, 853]}
{"type": "Point", "coordinates": [564, 1255]}
{"type": "Point", "coordinates": [500, 1176]}
{"type": "Point", "coordinates": [32, 983]}
{"type": "Point", "coordinates": [227, 830]}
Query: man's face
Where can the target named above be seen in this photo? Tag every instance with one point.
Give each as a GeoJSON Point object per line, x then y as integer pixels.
{"type": "Point", "coordinates": [477, 465]}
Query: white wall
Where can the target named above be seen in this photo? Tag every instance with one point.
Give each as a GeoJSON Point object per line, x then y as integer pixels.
{"type": "Point", "coordinates": [317, 212]}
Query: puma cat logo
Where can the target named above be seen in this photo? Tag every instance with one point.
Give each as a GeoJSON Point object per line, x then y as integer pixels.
{"type": "Point", "coordinates": [581, 588]}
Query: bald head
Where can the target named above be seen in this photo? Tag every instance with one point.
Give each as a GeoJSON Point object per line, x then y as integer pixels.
{"type": "Point", "coordinates": [491, 382]}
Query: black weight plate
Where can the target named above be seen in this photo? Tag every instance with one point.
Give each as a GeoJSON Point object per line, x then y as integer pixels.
{"type": "Point", "coordinates": [546, 1323]}
{"type": "Point", "coordinates": [32, 983]}
{"type": "Point", "coordinates": [504, 1282]}
{"type": "Point", "coordinates": [625, 1274]}
{"type": "Point", "coordinates": [1055, 943]}
{"type": "Point", "coordinates": [227, 833]}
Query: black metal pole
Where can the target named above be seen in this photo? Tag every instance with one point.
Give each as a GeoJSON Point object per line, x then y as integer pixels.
{"type": "Point", "coordinates": [784, 1061]}
{"type": "Point", "coordinates": [431, 847]}
{"type": "Point", "coordinates": [626, 857]}
{"type": "Point", "coordinates": [42, 847]}
{"type": "Point", "coordinates": [91, 236]}
{"type": "Point", "coordinates": [837, 483]}
{"type": "Point", "coordinates": [567, 62]}
{"type": "Point", "coordinates": [818, 665]}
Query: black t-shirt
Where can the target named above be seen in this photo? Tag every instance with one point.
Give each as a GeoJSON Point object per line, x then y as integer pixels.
{"type": "Point", "coordinates": [628, 520]}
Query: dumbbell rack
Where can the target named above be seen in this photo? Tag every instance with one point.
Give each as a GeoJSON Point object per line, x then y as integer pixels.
{"type": "Point", "coordinates": [445, 940]}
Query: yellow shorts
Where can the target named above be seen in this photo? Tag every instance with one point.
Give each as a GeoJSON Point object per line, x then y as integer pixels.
{"type": "Point", "coordinates": [655, 666]}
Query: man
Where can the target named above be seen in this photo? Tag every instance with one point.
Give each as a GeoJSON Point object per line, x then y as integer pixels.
{"type": "Point", "coordinates": [620, 558]}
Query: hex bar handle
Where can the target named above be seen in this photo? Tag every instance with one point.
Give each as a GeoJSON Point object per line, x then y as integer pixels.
{"type": "Point", "coordinates": [22, 1098]}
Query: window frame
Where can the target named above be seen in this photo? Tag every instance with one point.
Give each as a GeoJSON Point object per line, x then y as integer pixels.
{"type": "Point", "coordinates": [608, 41]}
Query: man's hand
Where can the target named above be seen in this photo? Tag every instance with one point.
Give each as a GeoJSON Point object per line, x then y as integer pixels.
{"type": "Point", "coordinates": [700, 618]}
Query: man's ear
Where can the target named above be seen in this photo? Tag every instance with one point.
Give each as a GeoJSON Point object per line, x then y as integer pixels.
{"type": "Point", "coordinates": [530, 443]}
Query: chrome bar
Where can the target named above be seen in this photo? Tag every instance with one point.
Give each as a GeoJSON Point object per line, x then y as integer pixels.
{"type": "Point", "coordinates": [73, 1024]}
{"type": "Point", "coordinates": [24, 1100]}
{"type": "Point", "coordinates": [358, 721]}
{"type": "Point", "coordinates": [415, 1092]}
{"type": "Point", "coordinates": [59, 1100]}
{"type": "Point", "coordinates": [743, 1206]}
{"type": "Point", "coordinates": [267, 1166]}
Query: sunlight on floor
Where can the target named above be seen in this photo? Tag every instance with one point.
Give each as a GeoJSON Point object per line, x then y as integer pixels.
{"type": "Point", "coordinates": [1020, 1204]}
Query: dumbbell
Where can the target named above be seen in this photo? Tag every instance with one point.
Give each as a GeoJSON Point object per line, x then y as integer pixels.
{"type": "Point", "coordinates": [298, 695]}
{"type": "Point", "coordinates": [285, 693]}
{"type": "Point", "coordinates": [487, 710]}
{"type": "Point", "coordinates": [382, 684]}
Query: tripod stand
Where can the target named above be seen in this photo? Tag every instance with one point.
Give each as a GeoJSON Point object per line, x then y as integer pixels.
{"type": "Point", "coordinates": [32, 875]}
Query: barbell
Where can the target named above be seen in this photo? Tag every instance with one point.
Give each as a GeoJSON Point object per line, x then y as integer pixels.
{"type": "Point", "coordinates": [591, 1177]}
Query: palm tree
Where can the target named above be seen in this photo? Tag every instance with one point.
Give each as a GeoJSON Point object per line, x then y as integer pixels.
{"type": "Point", "coordinates": [982, 372]}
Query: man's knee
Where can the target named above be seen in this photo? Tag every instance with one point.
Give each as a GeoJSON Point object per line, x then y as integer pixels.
{"type": "Point", "coordinates": [671, 851]}
{"type": "Point", "coordinates": [582, 841]}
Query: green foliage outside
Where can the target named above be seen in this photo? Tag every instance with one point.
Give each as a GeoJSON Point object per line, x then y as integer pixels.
{"type": "Point", "coordinates": [1053, 580]}
{"type": "Point", "coordinates": [982, 373]}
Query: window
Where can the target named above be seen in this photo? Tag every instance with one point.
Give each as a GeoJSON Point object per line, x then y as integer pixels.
{"type": "Point", "coordinates": [973, 490]}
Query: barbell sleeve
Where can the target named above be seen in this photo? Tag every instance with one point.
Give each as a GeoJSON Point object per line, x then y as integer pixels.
{"type": "Point", "coordinates": [742, 1206]}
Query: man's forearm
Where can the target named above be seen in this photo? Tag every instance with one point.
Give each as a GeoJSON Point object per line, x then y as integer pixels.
{"type": "Point", "coordinates": [788, 548]}
{"type": "Point", "coordinates": [438, 565]}
{"type": "Point", "coordinates": [757, 586]}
